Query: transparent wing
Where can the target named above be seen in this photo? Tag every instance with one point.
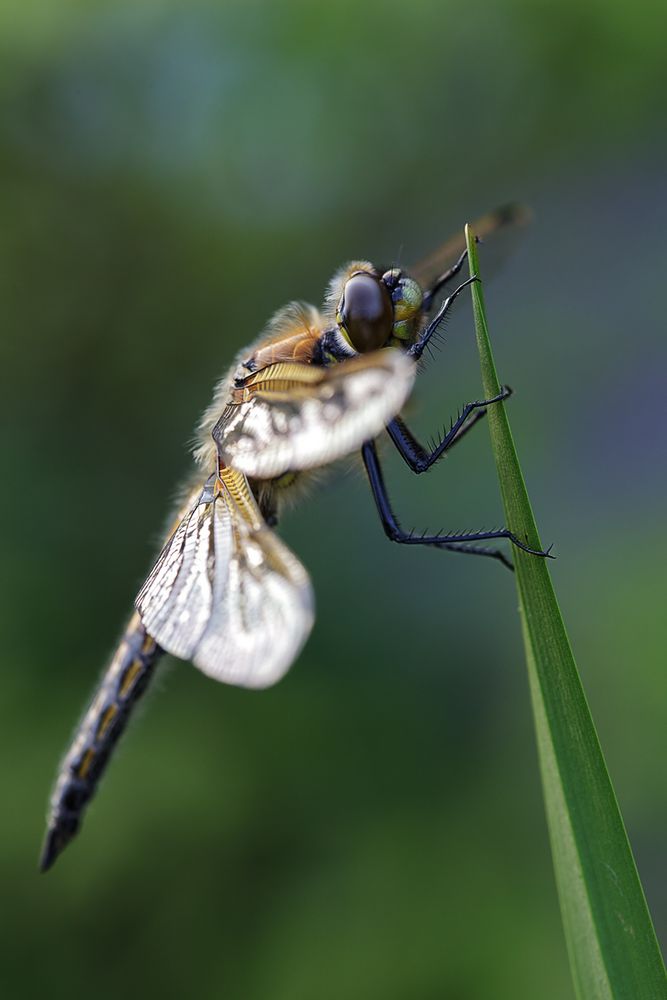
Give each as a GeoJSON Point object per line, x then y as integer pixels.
{"type": "Point", "coordinates": [509, 219]}
{"type": "Point", "coordinates": [226, 593]}
{"type": "Point", "coordinates": [290, 416]}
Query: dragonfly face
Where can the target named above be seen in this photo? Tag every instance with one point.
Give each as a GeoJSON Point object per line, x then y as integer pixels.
{"type": "Point", "coordinates": [226, 592]}
{"type": "Point", "coordinates": [375, 310]}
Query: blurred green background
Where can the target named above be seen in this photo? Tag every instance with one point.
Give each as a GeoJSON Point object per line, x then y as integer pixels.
{"type": "Point", "coordinates": [170, 174]}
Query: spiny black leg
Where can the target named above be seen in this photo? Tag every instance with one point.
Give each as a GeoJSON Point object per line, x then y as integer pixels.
{"type": "Point", "coordinates": [440, 282]}
{"type": "Point", "coordinates": [481, 550]}
{"type": "Point", "coordinates": [468, 425]}
{"type": "Point", "coordinates": [418, 458]}
{"type": "Point", "coordinates": [394, 531]}
{"type": "Point", "coordinates": [422, 340]}
{"type": "Point", "coordinates": [415, 455]}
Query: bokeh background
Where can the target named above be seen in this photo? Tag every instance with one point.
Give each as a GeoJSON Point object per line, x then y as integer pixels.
{"type": "Point", "coordinates": [170, 174]}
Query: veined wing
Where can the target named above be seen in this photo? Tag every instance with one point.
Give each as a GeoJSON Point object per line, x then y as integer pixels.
{"type": "Point", "coordinates": [226, 592]}
{"type": "Point", "coordinates": [508, 218]}
{"type": "Point", "coordinates": [289, 417]}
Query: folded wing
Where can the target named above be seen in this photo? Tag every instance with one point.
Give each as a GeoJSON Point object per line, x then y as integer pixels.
{"type": "Point", "coordinates": [226, 593]}
{"type": "Point", "coordinates": [288, 416]}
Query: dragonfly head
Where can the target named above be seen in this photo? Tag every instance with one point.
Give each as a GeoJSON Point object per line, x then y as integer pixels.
{"type": "Point", "coordinates": [407, 299]}
{"type": "Point", "coordinates": [375, 310]}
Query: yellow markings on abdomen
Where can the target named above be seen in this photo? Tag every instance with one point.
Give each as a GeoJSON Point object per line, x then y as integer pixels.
{"type": "Point", "coordinates": [130, 677]}
{"type": "Point", "coordinates": [105, 722]}
{"type": "Point", "coordinates": [123, 683]}
{"type": "Point", "coordinates": [86, 761]}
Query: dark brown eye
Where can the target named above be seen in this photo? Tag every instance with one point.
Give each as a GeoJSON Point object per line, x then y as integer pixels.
{"type": "Point", "coordinates": [365, 312]}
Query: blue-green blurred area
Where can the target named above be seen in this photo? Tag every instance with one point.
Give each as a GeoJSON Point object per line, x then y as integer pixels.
{"type": "Point", "coordinates": [170, 174]}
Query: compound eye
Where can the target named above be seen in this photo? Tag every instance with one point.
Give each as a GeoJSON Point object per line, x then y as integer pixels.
{"type": "Point", "coordinates": [365, 312]}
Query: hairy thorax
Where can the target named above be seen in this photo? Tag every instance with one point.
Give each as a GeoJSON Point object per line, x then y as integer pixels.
{"type": "Point", "coordinates": [291, 336]}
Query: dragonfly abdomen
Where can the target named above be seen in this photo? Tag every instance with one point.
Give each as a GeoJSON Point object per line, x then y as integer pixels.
{"type": "Point", "coordinates": [122, 685]}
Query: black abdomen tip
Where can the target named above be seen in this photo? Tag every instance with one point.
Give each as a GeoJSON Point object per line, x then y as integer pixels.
{"type": "Point", "coordinates": [57, 838]}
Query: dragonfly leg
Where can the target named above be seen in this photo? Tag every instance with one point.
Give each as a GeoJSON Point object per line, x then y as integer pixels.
{"type": "Point", "coordinates": [418, 458]}
{"type": "Point", "coordinates": [480, 550]}
{"type": "Point", "coordinates": [422, 340]}
{"type": "Point", "coordinates": [396, 533]}
{"type": "Point", "coordinates": [442, 280]}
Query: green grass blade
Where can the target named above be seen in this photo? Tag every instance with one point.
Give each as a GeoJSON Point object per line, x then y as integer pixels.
{"type": "Point", "coordinates": [610, 938]}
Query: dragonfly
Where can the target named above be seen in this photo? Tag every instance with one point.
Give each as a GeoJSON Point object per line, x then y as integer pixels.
{"type": "Point", "coordinates": [225, 592]}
